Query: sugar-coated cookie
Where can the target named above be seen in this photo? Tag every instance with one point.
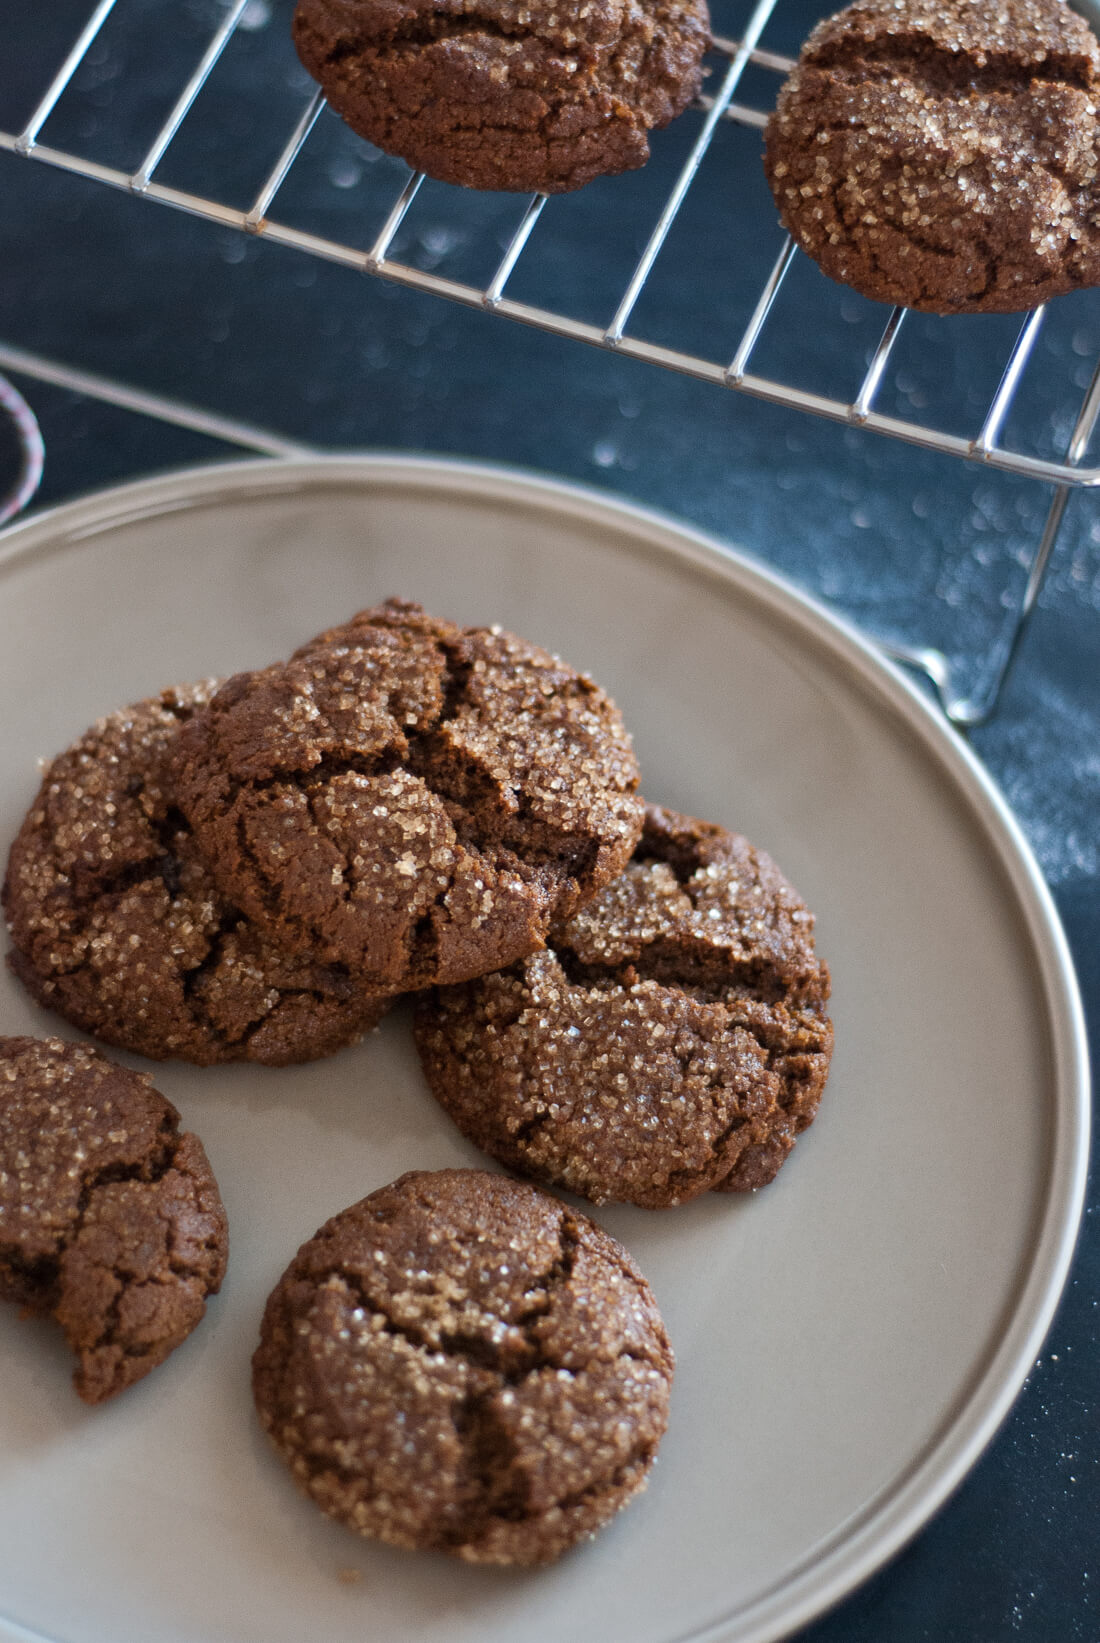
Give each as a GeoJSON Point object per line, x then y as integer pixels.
{"type": "Point", "coordinates": [942, 154]}
{"type": "Point", "coordinates": [411, 799]}
{"type": "Point", "coordinates": [110, 1219]}
{"type": "Point", "coordinates": [673, 1037]}
{"type": "Point", "coordinates": [460, 1362]}
{"type": "Point", "coordinates": [540, 97]}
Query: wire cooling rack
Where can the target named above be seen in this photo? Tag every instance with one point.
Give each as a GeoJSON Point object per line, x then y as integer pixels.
{"type": "Point", "coordinates": [746, 76]}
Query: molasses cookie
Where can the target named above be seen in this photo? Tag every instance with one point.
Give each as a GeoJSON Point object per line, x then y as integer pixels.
{"type": "Point", "coordinates": [540, 97]}
{"type": "Point", "coordinates": [117, 925]}
{"type": "Point", "coordinates": [672, 1038]}
{"type": "Point", "coordinates": [413, 800]}
{"type": "Point", "coordinates": [110, 1219]}
{"type": "Point", "coordinates": [460, 1362]}
{"type": "Point", "coordinates": [942, 154]}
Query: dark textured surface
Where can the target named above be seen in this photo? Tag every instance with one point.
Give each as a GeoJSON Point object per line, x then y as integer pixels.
{"type": "Point", "coordinates": [908, 543]}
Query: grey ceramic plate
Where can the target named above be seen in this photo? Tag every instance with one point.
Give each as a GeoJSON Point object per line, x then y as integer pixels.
{"type": "Point", "coordinates": [848, 1339]}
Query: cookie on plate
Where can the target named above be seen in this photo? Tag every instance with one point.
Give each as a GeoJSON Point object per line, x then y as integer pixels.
{"type": "Point", "coordinates": [110, 1219]}
{"type": "Point", "coordinates": [540, 97]}
{"type": "Point", "coordinates": [411, 799]}
{"type": "Point", "coordinates": [116, 922]}
{"type": "Point", "coordinates": [460, 1362]}
{"type": "Point", "coordinates": [942, 154]}
{"type": "Point", "coordinates": [673, 1038]}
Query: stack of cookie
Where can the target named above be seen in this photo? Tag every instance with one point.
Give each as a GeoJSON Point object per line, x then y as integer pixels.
{"type": "Point", "coordinates": [251, 872]}
{"type": "Point", "coordinates": [613, 998]}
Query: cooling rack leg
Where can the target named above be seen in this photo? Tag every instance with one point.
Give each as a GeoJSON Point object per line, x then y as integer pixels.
{"type": "Point", "coordinates": [229, 430]}
{"type": "Point", "coordinates": [966, 712]}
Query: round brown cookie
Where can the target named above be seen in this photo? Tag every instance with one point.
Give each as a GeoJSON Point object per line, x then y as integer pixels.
{"type": "Point", "coordinates": [110, 1219]}
{"type": "Point", "coordinates": [673, 1038]}
{"type": "Point", "coordinates": [413, 799]}
{"type": "Point", "coordinates": [540, 97]}
{"type": "Point", "coordinates": [942, 154]}
{"type": "Point", "coordinates": [460, 1362]}
{"type": "Point", "coordinates": [117, 925]}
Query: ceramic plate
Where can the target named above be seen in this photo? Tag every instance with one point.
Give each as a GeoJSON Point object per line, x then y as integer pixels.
{"type": "Point", "coordinates": [848, 1339]}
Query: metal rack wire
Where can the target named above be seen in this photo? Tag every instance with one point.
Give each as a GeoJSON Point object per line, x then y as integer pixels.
{"type": "Point", "coordinates": [985, 445]}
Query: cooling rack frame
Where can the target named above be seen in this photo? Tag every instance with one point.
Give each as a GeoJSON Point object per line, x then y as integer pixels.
{"type": "Point", "coordinates": [984, 448]}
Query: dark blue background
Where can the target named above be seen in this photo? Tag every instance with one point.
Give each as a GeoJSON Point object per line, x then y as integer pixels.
{"type": "Point", "coordinates": [912, 545]}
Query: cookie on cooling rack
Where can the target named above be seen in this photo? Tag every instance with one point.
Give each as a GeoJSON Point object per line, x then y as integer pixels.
{"type": "Point", "coordinates": [414, 800]}
{"type": "Point", "coordinates": [110, 1219]}
{"type": "Point", "coordinates": [116, 923]}
{"type": "Point", "coordinates": [540, 97]}
{"type": "Point", "coordinates": [460, 1362]}
{"type": "Point", "coordinates": [673, 1037]}
{"type": "Point", "coordinates": [942, 154]}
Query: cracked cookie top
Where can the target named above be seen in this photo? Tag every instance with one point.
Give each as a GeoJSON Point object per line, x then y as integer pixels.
{"type": "Point", "coordinates": [412, 799]}
{"type": "Point", "coordinates": [539, 97]}
{"type": "Point", "coordinates": [116, 922]}
{"type": "Point", "coordinates": [110, 1219]}
{"type": "Point", "coordinates": [944, 155]}
{"type": "Point", "coordinates": [673, 1038]}
{"type": "Point", "coordinates": [463, 1363]}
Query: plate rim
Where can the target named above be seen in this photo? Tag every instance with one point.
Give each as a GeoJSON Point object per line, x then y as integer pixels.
{"type": "Point", "coordinates": [860, 1546]}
